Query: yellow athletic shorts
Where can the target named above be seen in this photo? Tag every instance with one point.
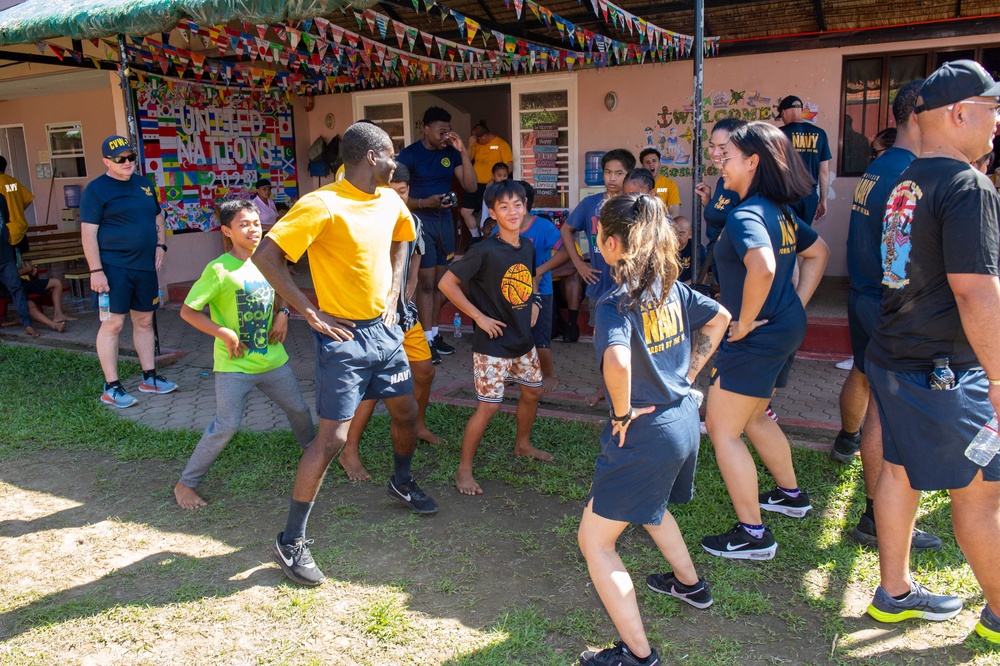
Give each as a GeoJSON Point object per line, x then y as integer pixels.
{"type": "Point", "coordinates": [415, 344]}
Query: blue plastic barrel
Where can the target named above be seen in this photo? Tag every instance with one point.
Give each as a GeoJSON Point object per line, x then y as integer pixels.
{"type": "Point", "coordinates": [594, 174]}
{"type": "Point", "coordinates": [72, 194]}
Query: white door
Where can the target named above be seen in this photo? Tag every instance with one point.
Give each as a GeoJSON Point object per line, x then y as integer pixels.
{"type": "Point", "coordinates": [544, 129]}
{"type": "Point", "coordinates": [390, 111]}
{"type": "Point", "coordinates": [13, 148]}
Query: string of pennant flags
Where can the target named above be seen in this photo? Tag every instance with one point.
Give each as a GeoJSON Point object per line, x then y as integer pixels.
{"type": "Point", "coordinates": [320, 56]}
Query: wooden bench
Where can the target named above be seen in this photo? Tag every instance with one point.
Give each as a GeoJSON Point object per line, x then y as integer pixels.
{"type": "Point", "coordinates": [54, 248]}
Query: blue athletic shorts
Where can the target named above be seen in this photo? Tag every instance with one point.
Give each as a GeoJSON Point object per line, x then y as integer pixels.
{"type": "Point", "coordinates": [806, 207]}
{"type": "Point", "coordinates": [862, 316]}
{"type": "Point", "coordinates": [541, 332]}
{"type": "Point", "coordinates": [656, 466]}
{"type": "Point", "coordinates": [927, 431]}
{"type": "Point", "coordinates": [439, 241]}
{"type": "Point", "coordinates": [372, 366]}
{"type": "Point", "coordinates": [129, 289]}
{"type": "Point", "coordinates": [746, 373]}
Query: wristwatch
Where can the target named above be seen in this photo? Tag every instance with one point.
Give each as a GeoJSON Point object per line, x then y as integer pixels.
{"type": "Point", "coordinates": [288, 313]}
{"type": "Point", "coordinates": [162, 246]}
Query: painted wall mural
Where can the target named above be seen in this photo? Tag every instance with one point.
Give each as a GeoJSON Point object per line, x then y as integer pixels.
{"type": "Point", "coordinates": [672, 130]}
{"type": "Point", "coordinates": [202, 145]}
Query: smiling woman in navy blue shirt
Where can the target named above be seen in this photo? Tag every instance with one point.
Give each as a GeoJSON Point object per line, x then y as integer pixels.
{"type": "Point", "coordinates": [756, 255]}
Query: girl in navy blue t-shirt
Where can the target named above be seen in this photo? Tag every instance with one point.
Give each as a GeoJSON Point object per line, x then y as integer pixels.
{"type": "Point", "coordinates": [756, 256]}
{"type": "Point", "coordinates": [653, 335]}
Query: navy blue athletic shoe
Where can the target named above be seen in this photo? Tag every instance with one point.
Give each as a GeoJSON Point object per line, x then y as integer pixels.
{"type": "Point", "coordinates": [919, 603]}
{"type": "Point", "coordinates": [616, 656]}
{"type": "Point", "coordinates": [699, 595]}
{"type": "Point", "coordinates": [738, 544]}
{"type": "Point", "coordinates": [442, 347]}
{"type": "Point", "coordinates": [409, 495]}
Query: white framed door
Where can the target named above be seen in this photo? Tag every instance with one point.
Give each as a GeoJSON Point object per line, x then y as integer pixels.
{"type": "Point", "coordinates": [544, 130]}
{"type": "Point", "coordinates": [390, 110]}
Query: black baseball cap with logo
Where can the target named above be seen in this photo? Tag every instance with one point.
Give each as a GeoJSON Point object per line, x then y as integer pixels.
{"type": "Point", "coordinates": [954, 81]}
{"type": "Point", "coordinates": [790, 102]}
{"type": "Point", "coordinates": [114, 146]}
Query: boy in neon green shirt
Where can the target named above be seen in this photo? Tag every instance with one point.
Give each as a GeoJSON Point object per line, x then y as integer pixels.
{"type": "Point", "coordinates": [249, 323]}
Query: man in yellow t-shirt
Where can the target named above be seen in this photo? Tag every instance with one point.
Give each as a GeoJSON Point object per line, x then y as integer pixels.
{"type": "Point", "coordinates": [18, 198]}
{"type": "Point", "coordinates": [356, 231]}
{"type": "Point", "coordinates": [486, 150]}
{"type": "Point", "coordinates": [666, 188]}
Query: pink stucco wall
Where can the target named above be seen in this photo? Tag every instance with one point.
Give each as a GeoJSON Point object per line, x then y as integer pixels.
{"type": "Point", "coordinates": [312, 124]}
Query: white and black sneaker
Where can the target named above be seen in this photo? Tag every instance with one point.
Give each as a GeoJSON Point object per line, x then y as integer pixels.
{"type": "Point", "coordinates": [738, 544]}
{"type": "Point", "coordinates": [296, 561]}
{"type": "Point", "coordinates": [618, 655]}
{"type": "Point", "coordinates": [699, 595]}
{"type": "Point", "coordinates": [778, 502]}
{"type": "Point", "coordinates": [410, 496]}
{"type": "Point", "coordinates": [441, 346]}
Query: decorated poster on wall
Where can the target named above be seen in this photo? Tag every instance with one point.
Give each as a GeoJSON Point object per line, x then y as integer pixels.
{"type": "Point", "coordinates": [203, 145]}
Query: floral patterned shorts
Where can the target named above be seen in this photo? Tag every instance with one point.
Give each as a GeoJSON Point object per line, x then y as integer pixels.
{"type": "Point", "coordinates": [492, 372]}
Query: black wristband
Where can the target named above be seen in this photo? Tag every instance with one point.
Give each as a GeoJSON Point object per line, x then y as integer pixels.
{"type": "Point", "coordinates": [624, 420]}
{"type": "Point", "coordinates": [162, 246]}
{"type": "Point", "coordinates": [97, 270]}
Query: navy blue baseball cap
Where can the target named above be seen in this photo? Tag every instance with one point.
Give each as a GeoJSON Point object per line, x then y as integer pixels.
{"type": "Point", "coordinates": [790, 102]}
{"type": "Point", "coordinates": [114, 146]}
{"type": "Point", "coordinates": [954, 81]}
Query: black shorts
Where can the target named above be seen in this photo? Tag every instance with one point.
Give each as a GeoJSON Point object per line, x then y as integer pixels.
{"type": "Point", "coordinates": [130, 289]}
{"type": "Point", "coordinates": [541, 332]}
{"type": "Point", "coordinates": [371, 366]}
{"type": "Point", "coordinates": [34, 287]}
{"type": "Point", "coordinates": [927, 431]}
{"type": "Point", "coordinates": [474, 200]}
{"type": "Point", "coordinates": [439, 242]}
{"type": "Point", "coordinates": [862, 316]}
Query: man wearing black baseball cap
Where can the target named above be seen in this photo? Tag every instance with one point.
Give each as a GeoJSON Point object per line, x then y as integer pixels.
{"type": "Point", "coordinates": [940, 309]}
{"type": "Point", "coordinates": [124, 240]}
{"type": "Point", "coordinates": [811, 143]}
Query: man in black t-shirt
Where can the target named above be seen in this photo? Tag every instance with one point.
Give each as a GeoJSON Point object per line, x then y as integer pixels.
{"type": "Point", "coordinates": [499, 273]}
{"type": "Point", "coordinates": [812, 145]}
{"type": "Point", "coordinates": [940, 300]}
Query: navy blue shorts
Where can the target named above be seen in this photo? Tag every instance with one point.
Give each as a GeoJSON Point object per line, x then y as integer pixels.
{"type": "Point", "coordinates": [927, 431]}
{"type": "Point", "coordinates": [129, 289]}
{"type": "Point", "coordinates": [746, 373]}
{"type": "Point", "coordinates": [806, 207]}
{"type": "Point", "coordinates": [439, 241]}
{"type": "Point", "coordinates": [634, 483]}
{"type": "Point", "coordinates": [372, 366]}
{"type": "Point", "coordinates": [862, 316]}
{"type": "Point", "coordinates": [474, 200]}
{"type": "Point", "coordinates": [541, 332]}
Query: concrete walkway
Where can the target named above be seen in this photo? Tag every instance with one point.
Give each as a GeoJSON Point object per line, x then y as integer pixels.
{"type": "Point", "coordinates": [807, 408]}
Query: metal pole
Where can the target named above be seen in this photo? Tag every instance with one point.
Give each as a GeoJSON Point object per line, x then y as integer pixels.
{"type": "Point", "coordinates": [699, 73]}
{"type": "Point", "coordinates": [132, 129]}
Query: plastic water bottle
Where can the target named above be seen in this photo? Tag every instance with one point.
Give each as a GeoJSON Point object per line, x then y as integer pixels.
{"type": "Point", "coordinates": [457, 322]}
{"type": "Point", "coordinates": [159, 298]}
{"type": "Point", "coordinates": [941, 378]}
{"type": "Point", "coordinates": [985, 445]}
{"type": "Point", "coordinates": [104, 305]}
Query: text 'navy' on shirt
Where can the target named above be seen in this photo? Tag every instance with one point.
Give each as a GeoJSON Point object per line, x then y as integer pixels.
{"type": "Point", "coordinates": [864, 238]}
{"type": "Point", "coordinates": [811, 143]}
{"type": "Point", "coordinates": [755, 223]}
{"type": "Point", "coordinates": [431, 173]}
{"type": "Point", "coordinates": [125, 212]}
{"type": "Point", "coordinates": [660, 340]}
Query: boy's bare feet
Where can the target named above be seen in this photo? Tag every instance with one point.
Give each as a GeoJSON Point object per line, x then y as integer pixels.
{"type": "Point", "coordinates": [31, 332]}
{"type": "Point", "coordinates": [59, 326]}
{"type": "Point", "coordinates": [65, 317]}
{"type": "Point", "coordinates": [528, 451]}
{"type": "Point", "coordinates": [425, 435]}
{"type": "Point", "coordinates": [351, 462]}
{"type": "Point", "coordinates": [466, 484]}
{"type": "Point", "coordinates": [550, 383]}
{"type": "Point", "coordinates": [595, 398]}
{"type": "Point", "coordinates": [187, 498]}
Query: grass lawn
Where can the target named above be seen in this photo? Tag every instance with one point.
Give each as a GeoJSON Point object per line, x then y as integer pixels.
{"type": "Point", "coordinates": [100, 566]}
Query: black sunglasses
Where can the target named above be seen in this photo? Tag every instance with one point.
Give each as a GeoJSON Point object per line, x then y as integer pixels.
{"type": "Point", "coordinates": [121, 159]}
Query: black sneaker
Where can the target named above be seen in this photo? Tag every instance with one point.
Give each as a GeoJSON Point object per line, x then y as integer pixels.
{"type": "Point", "coordinates": [572, 332]}
{"type": "Point", "coordinates": [865, 535]}
{"type": "Point", "coordinates": [442, 347]}
{"type": "Point", "coordinates": [435, 357]}
{"type": "Point", "coordinates": [845, 448]}
{"type": "Point", "coordinates": [699, 596]}
{"type": "Point", "coordinates": [296, 561]}
{"type": "Point", "coordinates": [778, 502]}
{"type": "Point", "coordinates": [410, 495]}
{"type": "Point", "coordinates": [737, 544]}
{"type": "Point", "coordinates": [615, 656]}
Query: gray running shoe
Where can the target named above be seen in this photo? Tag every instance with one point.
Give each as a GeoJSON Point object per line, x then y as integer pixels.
{"type": "Point", "coordinates": [919, 603]}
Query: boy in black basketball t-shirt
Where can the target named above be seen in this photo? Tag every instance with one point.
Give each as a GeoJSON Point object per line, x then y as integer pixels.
{"type": "Point", "coordinates": [498, 273]}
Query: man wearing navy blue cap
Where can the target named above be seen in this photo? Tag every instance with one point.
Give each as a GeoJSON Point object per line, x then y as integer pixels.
{"type": "Point", "coordinates": [813, 146]}
{"type": "Point", "coordinates": [124, 240]}
{"type": "Point", "coordinates": [940, 305]}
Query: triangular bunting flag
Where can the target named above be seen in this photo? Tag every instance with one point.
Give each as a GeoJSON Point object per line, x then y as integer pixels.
{"type": "Point", "coordinates": [322, 24]}
{"type": "Point", "coordinates": [473, 27]}
{"type": "Point", "coordinates": [382, 21]}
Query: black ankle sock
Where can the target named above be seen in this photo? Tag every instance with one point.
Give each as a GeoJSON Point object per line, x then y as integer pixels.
{"type": "Point", "coordinates": [852, 436]}
{"type": "Point", "coordinates": [295, 526]}
{"type": "Point", "coordinates": [110, 385]}
{"type": "Point", "coordinates": [573, 314]}
{"type": "Point", "coordinates": [900, 597]}
{"type": "Point", "coordinates": [147, 374]}
{"type": "Point", "coordinates": [401, 469]}
{"type": "Point", "coordinates": [870, 509]}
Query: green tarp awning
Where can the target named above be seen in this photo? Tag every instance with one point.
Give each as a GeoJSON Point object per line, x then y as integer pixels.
{"type": "Point", "coordinates": [35, 20]}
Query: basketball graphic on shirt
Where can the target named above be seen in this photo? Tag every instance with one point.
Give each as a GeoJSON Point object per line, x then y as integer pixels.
{"type": "Point", "coordinates": [516, 285]}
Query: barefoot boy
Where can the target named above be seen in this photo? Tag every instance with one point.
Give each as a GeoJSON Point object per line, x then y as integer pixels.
{"type": "Point", "coordinates": [249, 324]}
{"type": "Point", "coordinates": [418, 352]}
{"type": "Point", "coordinates": [499, 275]}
